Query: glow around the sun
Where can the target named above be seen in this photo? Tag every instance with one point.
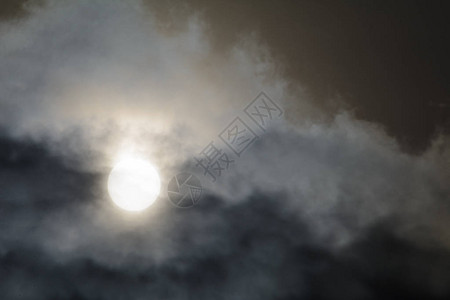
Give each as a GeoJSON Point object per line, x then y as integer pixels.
{"type": "Point", "coordinates": [134, 184]}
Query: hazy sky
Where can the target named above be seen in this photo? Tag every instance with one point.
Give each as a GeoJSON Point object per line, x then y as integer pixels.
{"type": "Point", "coordinates": [345, 196]}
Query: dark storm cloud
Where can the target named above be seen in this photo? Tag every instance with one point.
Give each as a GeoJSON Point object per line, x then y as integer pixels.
{"type": "Point", "coordinates": [256, 249]}
{"type": "Point", "coordinates": [66, 244]}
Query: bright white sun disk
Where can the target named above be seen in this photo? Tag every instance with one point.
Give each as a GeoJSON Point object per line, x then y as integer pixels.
{"type": "Point", "coordinates": [134, 184]}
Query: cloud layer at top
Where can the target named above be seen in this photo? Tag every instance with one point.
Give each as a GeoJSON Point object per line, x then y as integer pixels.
{"type": "Point", "coordinates": [95, 65]}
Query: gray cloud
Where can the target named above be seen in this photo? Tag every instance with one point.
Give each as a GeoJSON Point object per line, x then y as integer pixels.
{"type": "Point", "coordinates": [88, 65]}
{"type": "Point", "coordinates": [319, 210]}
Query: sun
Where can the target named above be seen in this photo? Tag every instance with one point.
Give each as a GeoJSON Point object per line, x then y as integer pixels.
{"type": "Point", "coordinates": [134, 184]}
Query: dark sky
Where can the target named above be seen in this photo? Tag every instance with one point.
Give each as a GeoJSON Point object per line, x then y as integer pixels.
{"type": "Point", "coordinates": [354, 207]}
{"type": "Point", "coordinates": [386, 60]}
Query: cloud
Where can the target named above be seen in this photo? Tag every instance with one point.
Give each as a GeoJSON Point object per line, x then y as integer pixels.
{"type": "Point", "coordinates": [312, 210]}
{"type": "Point", "coordinates": [105, 70]}
{"type": "Point", "coordinates": [317, 229]}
